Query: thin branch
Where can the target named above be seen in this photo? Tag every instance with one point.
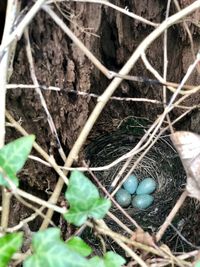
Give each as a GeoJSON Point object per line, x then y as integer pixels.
{"type": "Point", "coordinates": [78, 42]}
{"type": "Point", "coordinates": [32, 86]}
{"type": "Point", "coordinates": [165, 59]}
{"type": "Point", "coordinates": [6, 198]}
{"type": "Point", "coordinates": [102, 228]}
{"type": "Point", "coordinates": [160, 81]}
{"type": "Point", "coordinates": [126, 99]}
{"type": "Point", "coordinates": [150, 142]}
{"type": "Point", "coordinates": [20, 193]}
{"type": "Point", "coordinates": [185, 78]}
{"type": "Point", "coordinates": [122, 245]}
{"type": "Point", "coordinates": [11, 12]}
{"type": "Point", "coordinates": [30, 206]}
{"type": "Point", "coordinates": [191, 90]}
{"type": "Point", "coordinates": [39, 201]}
{"type": "Point", "coordinates": [42, 100]}
{"type": "Point", "coordinates": [38, 148]}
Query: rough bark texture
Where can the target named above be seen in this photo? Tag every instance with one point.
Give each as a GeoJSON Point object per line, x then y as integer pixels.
{"type": "Point", "coordinates": [58, 62]}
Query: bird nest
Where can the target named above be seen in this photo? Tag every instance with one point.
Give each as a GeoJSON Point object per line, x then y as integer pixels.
{"type": "Point", "coordinates": [161, 163]}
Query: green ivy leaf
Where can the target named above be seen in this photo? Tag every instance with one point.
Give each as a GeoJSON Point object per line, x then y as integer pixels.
{"type": "Point", "coordinates": [76, 216]}
{"type": "Point", "coordinates": [77, 244]}
{"type": "Point", "coordinates": [81, 191]}
{"type": "Point", "coordinates": [9, 244]}
{"type": "Point", "coordinates": [50, 251]}
{"type": "Point", "coordinates": [84, 200]}
{"type": "Point", "coordinates": [110, 259]}
{"type": "Point", "coordinates": [99, 208]}
{"type": "Point", "coordinates": [13, 156]}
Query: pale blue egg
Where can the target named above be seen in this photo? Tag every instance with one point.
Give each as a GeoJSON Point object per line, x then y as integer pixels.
{"type": "Point", "coordinates": [123, 198]}
{"type": "Point", "coordinates": [142, 201]}
{"type": "Point", "coordinates": [147, 186]}
{"type": "Point", "coordinates": [131, 184]}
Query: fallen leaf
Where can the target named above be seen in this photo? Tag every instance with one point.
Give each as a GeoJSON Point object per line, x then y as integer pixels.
{"type": "Point", "coordinates": [188, 146]}
{"type": "Point", "coordinates": [143, 237]}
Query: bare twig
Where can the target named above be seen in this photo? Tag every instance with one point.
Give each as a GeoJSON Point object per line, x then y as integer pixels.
{"type": "Point", "coordinates": [38, 148]}
{"type": "Point", "coordinates": [185, 78]}
{"type": "Point", "coordinates": [78, 42]}
{"type": "Point", "coordinates": [38, 91]}
{"type": "Point", "coordinates": [12, 6]}
{"type": "Point", "coordinates": [124, 246]}
{"type": "Point", "coordinates": [31, 86]}
{"type": "Point", "coordinates": [106, 3]}
{"type": "Point", "coordinates": [22, 223]}
{"type": "Point", "coordinates": [165, 59]}
{"type": "Point", "coordinates": [39, 201]}
{"type": "Point", "coordinates": [6, 197]}
{"type": "Point", "coordinates": [191, 89]}
{"type": "Point", "coordinates": [160, 81]}
{"type": "Point", "coordinates": [151, 133]}
{"type": "Point", "coordinates": [20, 193]}
{"type": "Point", "coordinates": [30, 206]}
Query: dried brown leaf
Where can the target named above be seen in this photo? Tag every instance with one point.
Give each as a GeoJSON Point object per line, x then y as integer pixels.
{"type": "Point", "coordinates": [188, 146]}
{"type": "Point", "coordinates": [143, 237]}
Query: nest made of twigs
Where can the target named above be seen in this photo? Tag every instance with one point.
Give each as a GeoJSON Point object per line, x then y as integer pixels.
{"type": "Point", "coordinates": [161, 163]}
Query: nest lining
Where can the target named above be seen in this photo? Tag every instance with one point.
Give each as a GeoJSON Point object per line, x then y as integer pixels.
{"type": "Point", "coordinates": [160, 163]}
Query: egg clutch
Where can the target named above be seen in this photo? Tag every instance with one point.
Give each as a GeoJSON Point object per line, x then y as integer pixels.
{"type": "Point", "coordinates": [136, 193]}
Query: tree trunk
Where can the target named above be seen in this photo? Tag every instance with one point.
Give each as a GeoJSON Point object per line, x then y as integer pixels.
{"type": "Point", "coordinates": [112, 37]}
